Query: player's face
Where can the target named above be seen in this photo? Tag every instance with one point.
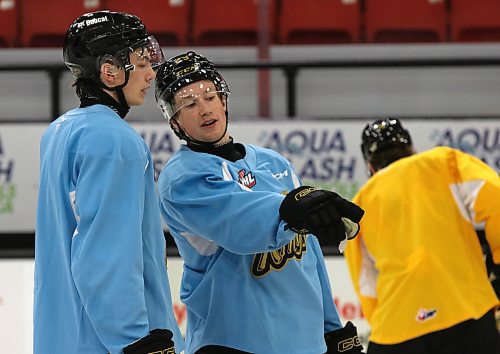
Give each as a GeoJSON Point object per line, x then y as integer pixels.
{"type": "Point", "coordinates": [201, 113]}
{"type": "Point", "coordinates": [140, 78]}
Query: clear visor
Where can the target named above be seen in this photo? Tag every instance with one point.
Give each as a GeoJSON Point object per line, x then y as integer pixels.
{"type": "Point", "coordinates": [148, 51]}
{"type": "Point", "coordinates": [188, 100]}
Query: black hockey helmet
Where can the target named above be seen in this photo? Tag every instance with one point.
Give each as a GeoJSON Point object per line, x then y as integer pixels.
{"type": "Point", "coordinates": [381, 134]}
{"type": "Point", "coordinates": [104, 35]}
{"type": "Point", "coordinates": [181, 71]}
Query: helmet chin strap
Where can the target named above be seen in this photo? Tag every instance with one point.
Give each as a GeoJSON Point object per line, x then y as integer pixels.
{"type": "Point", "coordinates": [121, 97]}
{"type": "Point", "coordinates": [122, 101]}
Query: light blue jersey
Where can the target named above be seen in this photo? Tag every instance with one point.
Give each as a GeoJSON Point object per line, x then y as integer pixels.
{"type": "Point", "coordinates": [248, 283]}
{"type": "Point", "coordinates": [100, 276]}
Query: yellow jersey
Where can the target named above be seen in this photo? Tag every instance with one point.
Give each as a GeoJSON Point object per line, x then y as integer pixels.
{"type": "Point", "coordinates": [417, 264]}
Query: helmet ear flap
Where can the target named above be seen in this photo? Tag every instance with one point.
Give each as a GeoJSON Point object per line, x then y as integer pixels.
{"type": "Point", "coordinates": [176, 128]}
{"type": "Point", "coordinates": [174, 124]}
{"type": "Point", "coordinates": [76, 70]}
{"type": "Point", "coordinates": [113, 64]}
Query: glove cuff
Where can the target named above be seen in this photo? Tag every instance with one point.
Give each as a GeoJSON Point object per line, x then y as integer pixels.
{"type": "Point", "coordinates": [343, 341]}
{"type": "Point", "coordinates": [157, 341]}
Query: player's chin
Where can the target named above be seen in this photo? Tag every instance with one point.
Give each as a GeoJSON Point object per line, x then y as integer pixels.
{"type": "Point", "coordinates": [209, 137]}
{"type": "Point", "coordinates": [137, 101]}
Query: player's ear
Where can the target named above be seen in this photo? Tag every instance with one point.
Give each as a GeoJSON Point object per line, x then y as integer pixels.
{"type": "Point", "coordinates": [371, 168]}
{"type": "Point", "coordinates": [109, 73]}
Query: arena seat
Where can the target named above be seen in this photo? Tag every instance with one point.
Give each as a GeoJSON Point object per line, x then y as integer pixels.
{"type": "Point", "coordinates": [319, 21]}
{"type": "Point", "coordinates": [475, 20]}
{"type": "Point", "coordinates": [44, 23]}
{"type": "Point", "coordinates": [409, 21]}
{"type": "Point", "coordinates": [228, 22]}
{"type": "Point", "coordinates": [8, 23]}
{"type": "Point", "coordinates": [167, 20]}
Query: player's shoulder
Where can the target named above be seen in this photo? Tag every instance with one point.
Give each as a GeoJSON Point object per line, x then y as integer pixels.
{"type": "Point", "coordinates": [433, 162]}
{"type": "Point", "coordinates": [186, 161]}
{"type": "Point", "coordinates": [99, 131]}
{"type": "Point", "coordinates": [439, 152]}
{"type": "Point", "coordinates": [261, 149]}
{"type": "Point", "coordinates": [186, 168]}
{"type": "Point", "coordinates": [263, 153]}
{"type": "Point", "coordinates": [444, 156]}
{"type": "Point", "coordinates": [435, 155]}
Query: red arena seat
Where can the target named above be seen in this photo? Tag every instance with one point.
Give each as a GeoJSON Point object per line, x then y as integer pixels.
{"type": "Point", "coordinates": [8, 23]}
{"type": "Point", "coordinates": [228, 22]}
{"type": "Point", "coordinates": [44, 23]}
{"type": "Point", "coordinates": [475, 20]}
{"type": "Point", "coordinates": [167, 20]}
{"type": "Point", "coordinates": [319, 21]}
{"type": "Point", "coordinates": [409, 21]}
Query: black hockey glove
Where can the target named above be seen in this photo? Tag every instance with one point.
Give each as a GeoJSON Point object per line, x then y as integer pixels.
{"type": "Point", "coordinates": [157, 341]}
{"type": "Point", "coordinates": [325, 214]}
{"type": "Point", "coordinates": [344, 340]}
{"type": "Point", "coordinates": [494, 276]}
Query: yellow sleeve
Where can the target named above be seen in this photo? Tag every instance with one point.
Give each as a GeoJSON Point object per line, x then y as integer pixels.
{"type": "Point", "coordinates": [482, 197]}
{"type": "Point", "coordinates": [354, 259]}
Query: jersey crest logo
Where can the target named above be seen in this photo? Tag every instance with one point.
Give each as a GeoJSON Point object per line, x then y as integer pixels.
{"type": "Point", "coordinates": [246, 179]}
{"type": "Point", "coordinates": [423, 315]}
{"type": "Point", "coordinates": [264, 263]}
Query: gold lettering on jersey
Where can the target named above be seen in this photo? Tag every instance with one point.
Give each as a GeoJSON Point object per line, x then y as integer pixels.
{"type": "Point", "coordinates": [263, 263]}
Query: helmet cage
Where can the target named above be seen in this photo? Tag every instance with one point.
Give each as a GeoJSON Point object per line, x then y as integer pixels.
{"type": "Point", "coordinates": [147, 48]}
{"type": "Point", "coordinates": [170, 108]}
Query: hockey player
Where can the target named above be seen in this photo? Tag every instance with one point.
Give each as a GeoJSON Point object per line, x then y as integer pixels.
{"type": "Point", "coordinates": [417, 264]}
{"type": "Point", "coordinates": [254, 281]}
{"type": "Point", "coordinates": [101, 284]}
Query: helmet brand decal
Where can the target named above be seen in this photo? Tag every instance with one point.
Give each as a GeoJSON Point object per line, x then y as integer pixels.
{"type": "Point", "coordinates": [96, 20]}
{"type": "Point", "coordinates": [190, 69]}
{"type": "Point", "coordinates": [181, 59]}
{"type": "Point", "coordinates": [92, 21]}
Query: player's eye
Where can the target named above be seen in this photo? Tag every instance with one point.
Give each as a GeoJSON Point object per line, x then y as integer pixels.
{"type": "Point", "coordinates": [190, 104]}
